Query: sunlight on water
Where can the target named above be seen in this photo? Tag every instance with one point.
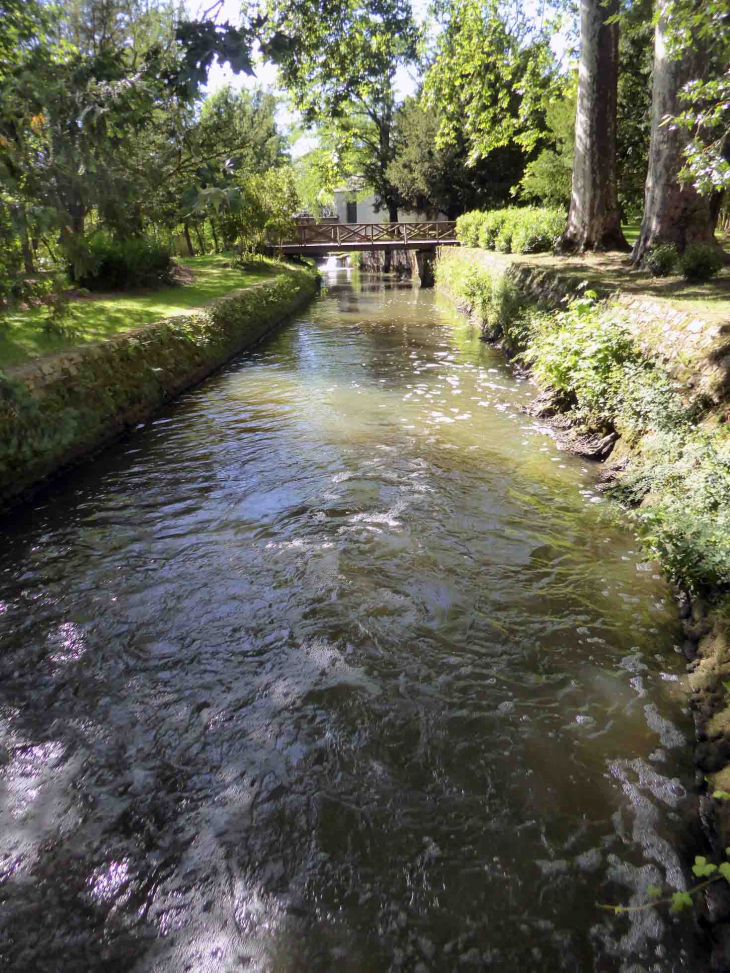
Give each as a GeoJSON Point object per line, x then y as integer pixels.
{"type": "Point", "coordinates": [339, 664]}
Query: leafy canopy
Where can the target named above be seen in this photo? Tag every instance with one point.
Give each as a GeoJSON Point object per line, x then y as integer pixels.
{"type": "Point", "coordinates": [492, 75]}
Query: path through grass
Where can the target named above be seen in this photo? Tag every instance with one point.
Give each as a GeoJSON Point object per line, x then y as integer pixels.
{"type": "Point", "coordinates": [22, 334]}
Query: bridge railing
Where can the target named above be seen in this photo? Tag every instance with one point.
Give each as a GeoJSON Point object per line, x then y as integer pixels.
{"type": "Point", "coordinates": [373, 234]}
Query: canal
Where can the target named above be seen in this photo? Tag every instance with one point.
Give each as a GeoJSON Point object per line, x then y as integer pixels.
{"type": "Point", "coordinates": [339, 664]}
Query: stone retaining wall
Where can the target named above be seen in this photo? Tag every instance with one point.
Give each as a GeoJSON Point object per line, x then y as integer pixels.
{"type": "Point", "coordinates": [694, 351]}
{"type": "Point", "coordinates": [63, 407]}
{"type": "Point", "coordinates": [697, 353]}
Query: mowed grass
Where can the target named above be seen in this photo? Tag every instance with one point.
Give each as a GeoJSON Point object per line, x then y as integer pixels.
{"type": "Point", "coordinates": [23, 336]}
{"type": "Point", "coordinates": [631, 232]}
{"type": "Point", "coordinates": [611, 272]}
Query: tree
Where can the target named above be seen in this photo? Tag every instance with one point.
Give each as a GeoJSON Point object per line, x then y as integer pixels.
{"type": "Point", "coordinates": [260, 208]}
{"type": "Point", "coordinates": [674, 212]}
{"type": "Point", "coordinates": [636, 52]}
{"type": "Point", "coordinates": [339, 62]}
{"type": "Point", "coordinates": [316, 178]}
{"type": "Point", "coordinates": [705, 99]}
{"type": "Point", "coordinates": [101, 128]}
{"type": "Point", "coordinates": [548, 178]}
{"type": "Point", "coordinates": [492, 75]}
{"type": "Point", "coordinates": [238, 129]}
{"type": "Point", "coordinates": [72, 117]}
{"type": "Point", "coordinates": [438, 177]}
{"type": "Point", "coordinates": [594, 221]}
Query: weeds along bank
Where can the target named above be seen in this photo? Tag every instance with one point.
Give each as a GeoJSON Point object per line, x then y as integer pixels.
{"type": "Point", "coordinates": [64, 406]}
{"type": "Point", "coordinates": [615, 393]}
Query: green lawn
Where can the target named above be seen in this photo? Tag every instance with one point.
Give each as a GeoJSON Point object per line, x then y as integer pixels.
{"type": "Point", "coordinates": [22, 335]}
{"type": "Point", "coordinates": [631, 232]}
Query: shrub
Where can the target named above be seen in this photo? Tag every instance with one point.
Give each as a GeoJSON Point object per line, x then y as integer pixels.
{"type": "Point", "coordinates": [577, 351]}
{"type": "Point", "coordinates": [647, 399]}
{"type": "Point", "coordinates": [537, 230]}
{"type": "Point", "coordinates": [467, 228]}
{"type": "Point", "coordinates": [122, 264]}
{"type": "Point", "coordinates": [503, 243]}
{"type": "Point", "coordinates": [662, 260]}
{"type": "Point", "coordinates": [701, 262]}
{"type": "Point", "coordinates": [491, 227]}
{"type": "Point", "coordinates": [493, 298]}
{"type": "Point", "coordinates": [688, 527]}
{"type": "Point", "coordinates": [513, 229]}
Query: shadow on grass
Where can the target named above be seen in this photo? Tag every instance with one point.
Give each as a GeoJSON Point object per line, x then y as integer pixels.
{"type": "Point", "coordinates": [610, 272]}
{"type": "Point", "coordinates": [93, 318]}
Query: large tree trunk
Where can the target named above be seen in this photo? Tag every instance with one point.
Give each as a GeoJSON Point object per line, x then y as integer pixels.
{"type": "Point", "coordinates": [673, 213]}
{"type": "Point", "coordinates": [215, 235]}
{"type": "Point", "coordinates": [71, 236]}
{"type": "Point", "coordinates": [594, 221]}
{"type": "Point", "coordinates": [77, 212]}
{"type": "Point", "coordinates": [191, 248]}
{"type": "Point", "coordinates": [201, 241]}
{"type": "Point", "coordinates": [26, 248]}
{"type": "Point", "coordinates": [28, 263]}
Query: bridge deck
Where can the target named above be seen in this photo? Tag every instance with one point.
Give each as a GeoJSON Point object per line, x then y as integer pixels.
{"type": "Point", "coordinates": [319, 238]}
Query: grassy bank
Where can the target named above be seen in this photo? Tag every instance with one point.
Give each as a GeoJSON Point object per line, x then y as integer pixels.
{"type": "Point", "coordinates": [669, 470]}
{"type": "Point", "coordinates": [23, 334]}
{"type": "Point", "coordinates": [61, 407]}
{"type": "Point", "coordinates": [672, 464]}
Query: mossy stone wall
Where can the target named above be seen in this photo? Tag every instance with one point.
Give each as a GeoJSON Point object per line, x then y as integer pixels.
{"type": "Point", "coordinates": [694, 351]}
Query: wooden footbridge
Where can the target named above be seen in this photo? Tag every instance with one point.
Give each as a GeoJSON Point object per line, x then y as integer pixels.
{"type": "Point", "coordinates": [316, 239]}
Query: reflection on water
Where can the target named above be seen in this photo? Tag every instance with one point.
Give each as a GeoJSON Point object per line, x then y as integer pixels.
{"type": "Point", "coordinates": [338, 665]}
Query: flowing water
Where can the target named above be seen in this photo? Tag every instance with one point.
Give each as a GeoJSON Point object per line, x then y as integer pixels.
{"type": "Point", "coordinates": [338, 664]}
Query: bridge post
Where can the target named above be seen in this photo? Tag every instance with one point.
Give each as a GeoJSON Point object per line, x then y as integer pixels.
{"type": "Point", "coordinates": [424, 260]}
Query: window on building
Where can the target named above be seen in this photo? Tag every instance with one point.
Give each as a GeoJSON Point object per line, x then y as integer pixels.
{"type": "Point", "coordinates": [352, 212]}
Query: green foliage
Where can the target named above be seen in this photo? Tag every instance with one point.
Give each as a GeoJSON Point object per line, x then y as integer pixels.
{"type": "Point", "coordinates": [702, 868]}
{"type": "Point", "coordinates": [99, 126]}
{"type": "Point", "coordinates": [339, 63]}
{"type": "Point", "coordinates": [315, 181]}
{"type": "Point", "coordinates": [705, 99]}
{"type": "Point", "coordinates": [492, 76]}
{"type": "Point", "coordinates": [578, 351]}
{"type": "Point", "coordinates": [587, 353]}
{"type": "Point", "coordinates": [515, 229]}
{"type": "Point", "coordinates": [425, 175]}
{"type": "Point", "coordinates": [680, 900]}
{"type": "Point", "coordinates": [645, 398]}
{"type": "Point", "coordinates": [549, 177]}
{"type": "Point", "coordinates": [58, 304]}
{"type": "Point", "coordinates": [662, 261]}
{"type": "Point", "coordinates": [490, 228]}
{"type": "Point", "coordinates": [236, 134]}
{"type": "Point", "coordinates": [688, 526]}
{"type": "Point", "coordinates": [115, 264]}
{"type": "Point", "coordinates": [468, 226]}
{"type": "Point", "coordinates": [701, 262]}
{"type": "Point", "coordinates": [493, 299]}
{"type": "Point", "coordinates": [537, 230]}
{"type": "Point", "coordinates": [706, 116]}
{"type": "Point", "coordinates": [430, 175]}
{"type": "Point", "coordinates": [257, 211]}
